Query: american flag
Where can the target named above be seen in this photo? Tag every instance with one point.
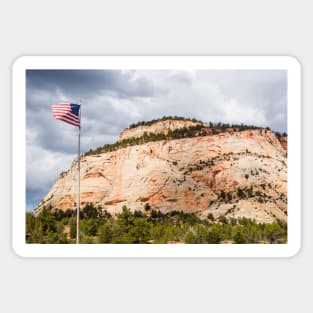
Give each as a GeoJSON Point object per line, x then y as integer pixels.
{"type": "Point", "coordinates": [67, 112]}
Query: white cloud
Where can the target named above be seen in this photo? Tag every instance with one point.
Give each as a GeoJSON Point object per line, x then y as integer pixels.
{"type": "Point", "coordinates": [235, 112]}
{"type": "Point", "coordinates": [125, 106]}
{"type": "Point", "coordinates": [43, 167]}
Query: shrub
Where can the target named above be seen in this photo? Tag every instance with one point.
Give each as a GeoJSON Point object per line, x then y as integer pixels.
{"type": "Point", "coordinates": [136, 227]}
{"type": "Point", "coordinates": [190, 238]}
{"type": "Point", "coordinates": [147, 207]}
{"type": "Point", "coordinates": [223, 195]}
{"type": "Point", "coordinates": [240, 193]}
{"type": "Point", "coordinates": [211, 217]}
{"type": "Point", "coordinates": [238, 235]}
{"type": "Point", "coordinates": [215, 234]}
{"type": "Point", "coordinates": [229, 197]}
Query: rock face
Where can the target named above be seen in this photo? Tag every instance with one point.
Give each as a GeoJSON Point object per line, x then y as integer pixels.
{"type": "Point", "coordinates": [239, 174]}
{"type": "Point", "coordinates": [284, 142]}
{"type": "Point", "coordinates": [160, 127]}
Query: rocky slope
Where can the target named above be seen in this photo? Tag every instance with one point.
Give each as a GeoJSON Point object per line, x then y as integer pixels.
{"type": "Point", "coordinates": [160, 127]}
{"type": "Point", "coordinates": [231, 174]}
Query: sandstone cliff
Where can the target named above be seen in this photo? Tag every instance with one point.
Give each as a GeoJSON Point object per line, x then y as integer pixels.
{"type": "Point", "coordinates": [160, 127]}
{"type": "Point", "coordinates": [231, 174]}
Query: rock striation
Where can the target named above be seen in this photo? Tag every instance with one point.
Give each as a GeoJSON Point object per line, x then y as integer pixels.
{"type": "Point", "coordinates": [160, 127]}
{"type": "Point", "coordinates": [231, 174]}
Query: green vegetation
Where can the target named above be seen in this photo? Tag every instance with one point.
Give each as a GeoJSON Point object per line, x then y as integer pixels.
{"type": "Point", "coordinates": [180, 133]}
{"type": "Point", "coordinates": [164, 118]}
{"type": "Point", "coordinates": [186, 132]}
{"type": "Point", "coordinates": [150, 226]}
{"type": "Point", "coordinates": [279, 135]}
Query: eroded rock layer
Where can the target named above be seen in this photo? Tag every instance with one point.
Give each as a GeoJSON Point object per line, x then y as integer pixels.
{"type": "Point", "coordinates": [231, 174]}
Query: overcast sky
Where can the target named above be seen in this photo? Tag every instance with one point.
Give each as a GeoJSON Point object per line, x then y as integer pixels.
{"type": "Point", "coordinates": [111, 100]}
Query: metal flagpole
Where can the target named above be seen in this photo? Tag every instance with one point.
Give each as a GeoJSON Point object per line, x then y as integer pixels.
{"type": "Point", "coordinates": [78, 178]}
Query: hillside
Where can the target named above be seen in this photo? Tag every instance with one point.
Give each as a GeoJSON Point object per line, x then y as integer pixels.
{"type": "Point", "coordinates": [221, 170]}
{"type": "Point", "coordinates": [163, 126]}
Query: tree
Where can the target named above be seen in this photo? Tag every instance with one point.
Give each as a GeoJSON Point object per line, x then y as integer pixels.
{"type": "Point", "coordinates": [190, 238]}
{"type": "Point", "coordinates": [215, 233]}
{"type": "Point", "coordinates": [106, 233]}
{"type": "Point", "coordinates": [140, 232]}
{"type": "Point", "coordinates": [250, 192]}
{"type": "Point", "coordinates": [30, 227]}
{"type": "Point", "coordinates": [147, 207]}
{"type": "Point", "coordinates": [238, 235]}
{"type": "Point", "coordinates": [211, 217]}
{"type": "Point", "coordinates": [223, 195]}
{"type": "Point", "coordinates": [273, 232]}
{"type": "Point", "coordinates": [240, 193]}
{"type": "Point", "coordinates": [201, 233]}
{"type": "Point", "coordinates": [229, 196]}
{"type": "Point", "coordinates": [89, 211]}
{"type": "Point", "coordinates": [124, 219]}
{"type": "Point", "coordinates": [73, 227]}
{"type": "Point", "coordinates": [223, 219]}
{"type": "Point", "coordinates": [88, 227]}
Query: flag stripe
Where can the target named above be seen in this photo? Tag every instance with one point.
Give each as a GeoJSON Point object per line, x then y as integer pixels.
{"type": "Point", "coordinates": [61, 107]}
{"type": "Point", "coordinates": [64, 119]}
{"type": "Point", "coordinates": [54, 107]}
{"type": "Point", "coordinates": [60, 111]}
{"type": "Point", "coordinates": [69, 116]}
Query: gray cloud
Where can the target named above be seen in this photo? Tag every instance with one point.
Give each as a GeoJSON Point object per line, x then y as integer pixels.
{"type": "Point", "coordinates": [111, 100]}
{"type": "Point", "coordinates": [88, 83]}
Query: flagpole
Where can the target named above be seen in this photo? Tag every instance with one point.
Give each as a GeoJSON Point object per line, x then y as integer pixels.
{"type": "Point", "coordinates": [78, 178]}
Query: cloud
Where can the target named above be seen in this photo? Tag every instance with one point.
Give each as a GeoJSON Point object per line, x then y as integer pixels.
{"type": "Point", "coordinates": [234, 112]}
{"type": "Point", "coordinates": [112, 100]}
{"type": "Point", "coordinates": [43, 167]}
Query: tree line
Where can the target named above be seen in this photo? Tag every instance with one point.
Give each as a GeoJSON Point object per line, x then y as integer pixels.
{"type": "Point", "coordinates": [184, 132]}
{"type": "Point", "coordinates": [147, 227]}
{"type": "Point", "coordinates": [164, 118]}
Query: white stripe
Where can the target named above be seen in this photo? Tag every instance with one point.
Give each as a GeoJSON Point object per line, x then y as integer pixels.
{"type": "Point", "coordinates": [71, 116]}
{"type": "Point", "coordinates": [64, 119]}
{"type": "Point", "coordinates": [61, 107]}
{"type": "Point", "coordinates": [61, 112]}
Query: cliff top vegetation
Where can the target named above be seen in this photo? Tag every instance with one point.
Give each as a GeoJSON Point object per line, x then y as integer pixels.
{"type": "Point", "coordinates": [198, 130]}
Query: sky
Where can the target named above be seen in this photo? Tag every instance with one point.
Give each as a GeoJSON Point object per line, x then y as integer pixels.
{"type": "Point", "coordinates": [114, 99]}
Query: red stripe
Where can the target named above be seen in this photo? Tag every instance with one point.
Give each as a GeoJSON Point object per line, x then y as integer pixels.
{"type": "Point", "coordinates": [59, 114]}
{"type": "Point", "coordinates": [68, 118]}
{"type": "Point", "coordinates": [69, 115]}
{"type": "Point", "coordinates": [73, 115]}
{"type": "Point", "coordinates": [69, 122]}
{"type": "Point", "coordinates": [64, 119]}
{"type": "Point", "coordinates": [63, 107]}
{"type": "Point", "coordinates": [60, 106]}
{"type": "Point", "coordinates": [61, 111]}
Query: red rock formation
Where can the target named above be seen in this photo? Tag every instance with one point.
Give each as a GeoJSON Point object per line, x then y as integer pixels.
{"type": "Point", "coordinates": [201, 174]}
